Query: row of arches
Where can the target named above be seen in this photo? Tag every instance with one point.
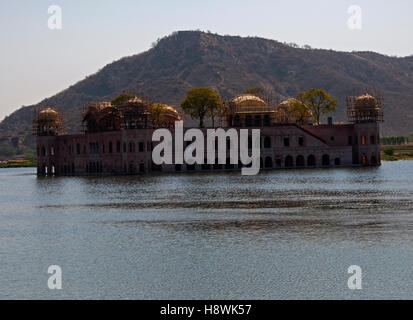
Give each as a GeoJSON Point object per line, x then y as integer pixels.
{"type": "Point", "coordinates": [52, 169]}
{"type": "Point", "coordinates": [267, 163]}
{"type": "Point", "coordinates": [94, 167]}
{"type": "Point", "coordinates": [365, 161]}
{"type": "Point", "coordinates": [299, 161]}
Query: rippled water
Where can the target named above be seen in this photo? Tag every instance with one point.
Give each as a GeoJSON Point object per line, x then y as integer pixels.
{"type": "Point", "coordinates": [281, 234]}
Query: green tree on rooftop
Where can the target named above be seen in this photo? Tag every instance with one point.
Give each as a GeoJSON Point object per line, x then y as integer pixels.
{"type": "Point", "coordinates": [202, 102]}
{"type": "Point", "coordinates": [318, 101]}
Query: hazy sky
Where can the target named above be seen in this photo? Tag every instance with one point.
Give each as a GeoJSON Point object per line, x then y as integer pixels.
{"type": "Point", "coordinates": [36, 62]}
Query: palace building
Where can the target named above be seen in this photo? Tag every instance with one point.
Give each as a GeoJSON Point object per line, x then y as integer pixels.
{"type": "Point", "coordinates": [117, 139]}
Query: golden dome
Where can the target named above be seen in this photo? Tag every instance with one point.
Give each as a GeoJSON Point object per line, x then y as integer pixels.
{"type": "Point", "coordinates": [169, 109]}
{"type": "Point", "coordinates": [48, 115]}
{"type": "Point", "coordinates": [48, 111]}
{"type": "Point", "coordinates": [286, 113]}
{"type": "Point", "coordinates": [163, 116]}
{"type": "Point", "coordinates": [47, 122]}
{"type": "Point", "coordinates": [365, 101]}
{"type": "Point", "coordinates": [287, 104]}
{"type": "Point", "coordinates": [248, 100]}
{"type": "Point", "coordinates": [169, 115]}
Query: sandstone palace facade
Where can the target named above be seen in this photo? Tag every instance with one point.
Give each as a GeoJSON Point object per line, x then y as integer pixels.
{"type": "Point", "coordinates": [118, 139]}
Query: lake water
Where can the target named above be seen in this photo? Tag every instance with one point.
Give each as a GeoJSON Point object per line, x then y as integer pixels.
{"type": "Point", "coordinates": [281, 234]}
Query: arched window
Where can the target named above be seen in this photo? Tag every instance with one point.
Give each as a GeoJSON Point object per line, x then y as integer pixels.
{"type": "Point", "coordinates": [300, 161]}
{"type": "Point", "coordinates": [337, 161]}
{"type": "Point", "coordinates": [289, 162]}
{"type": "Point", "coordinates": [311, 160]}
{"type": "Point", "coordinates": [237, 121]}
{"type": "Point", "coordinates": [268, 162]}
{"type": "Point", "coordinates": [248, 121]}
{"type": "Point", "coordinates": [257, 121]}
{"type": "Point", "coordinates": [110, 147]}
{"type": "Point", "coordinates": [364, 160]}
{"type": "Point", "coordinates": [325, 160]}
{"type": "Point", "coordinates": [141, 167]}
{"type": "Point", "coordinates": [267, 142]}
{"type": "Point", "coordinates": [141, 147]}
{"type": "Point", "coordinates": [267, 120]}
{"type": "Point", "coordinates": [373, 159]}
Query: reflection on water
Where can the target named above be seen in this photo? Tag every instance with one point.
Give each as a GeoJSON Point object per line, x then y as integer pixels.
{"type": "Point", "coordinates": [281, 234]}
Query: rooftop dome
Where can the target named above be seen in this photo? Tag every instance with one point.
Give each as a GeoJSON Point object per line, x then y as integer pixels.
{"type": "Point", "coordinates": [48, 111]}
{"type": "Point", "coordinates": [47, 122]}
{"type": "Point", "coordinates": [48, 115]}
{"type": "Point", "coordinates": [286, 113]}
{"type": "Point", "coordinates": [170, 109]}
{"type": "Point", "coordinates": [168, 117]}
{"type": "Point", "coordinates": [286, 104]}
{"type": "Point", "coordinates": [248, 100]}
{"type": "Point", "coordinates": [365, 101]}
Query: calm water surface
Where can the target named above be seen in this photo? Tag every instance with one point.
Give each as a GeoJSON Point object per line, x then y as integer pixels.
{"type": "Point", "coordinates": [281, 234]}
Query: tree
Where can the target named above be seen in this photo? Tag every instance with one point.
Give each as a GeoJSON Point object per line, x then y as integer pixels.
{"type": "Point", "coordinates": [256, 91]}
{"type": "Point", "coordinates": [301, 112]}
{"type": "Point", "coordinates": [156, 110]}
{"type": "Point", "coordinates": [389, 151]}
{"type": "Point", "coordinates": [201, 102]}
{"type": "Point", "coordinates": [318, 101]}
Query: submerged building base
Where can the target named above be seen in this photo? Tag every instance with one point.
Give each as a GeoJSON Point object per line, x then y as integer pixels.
{"type": "Point", "coordinates": [129, 151]}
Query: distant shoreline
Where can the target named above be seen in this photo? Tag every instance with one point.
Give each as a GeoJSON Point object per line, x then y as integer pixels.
{"type": "Point", "coordinates": [401, 152]}
{"type": "Point", "coordinates": [18, 164]}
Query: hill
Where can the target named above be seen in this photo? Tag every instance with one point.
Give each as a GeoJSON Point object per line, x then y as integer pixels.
{"type": "Point", "coordinates": [229, 64]}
